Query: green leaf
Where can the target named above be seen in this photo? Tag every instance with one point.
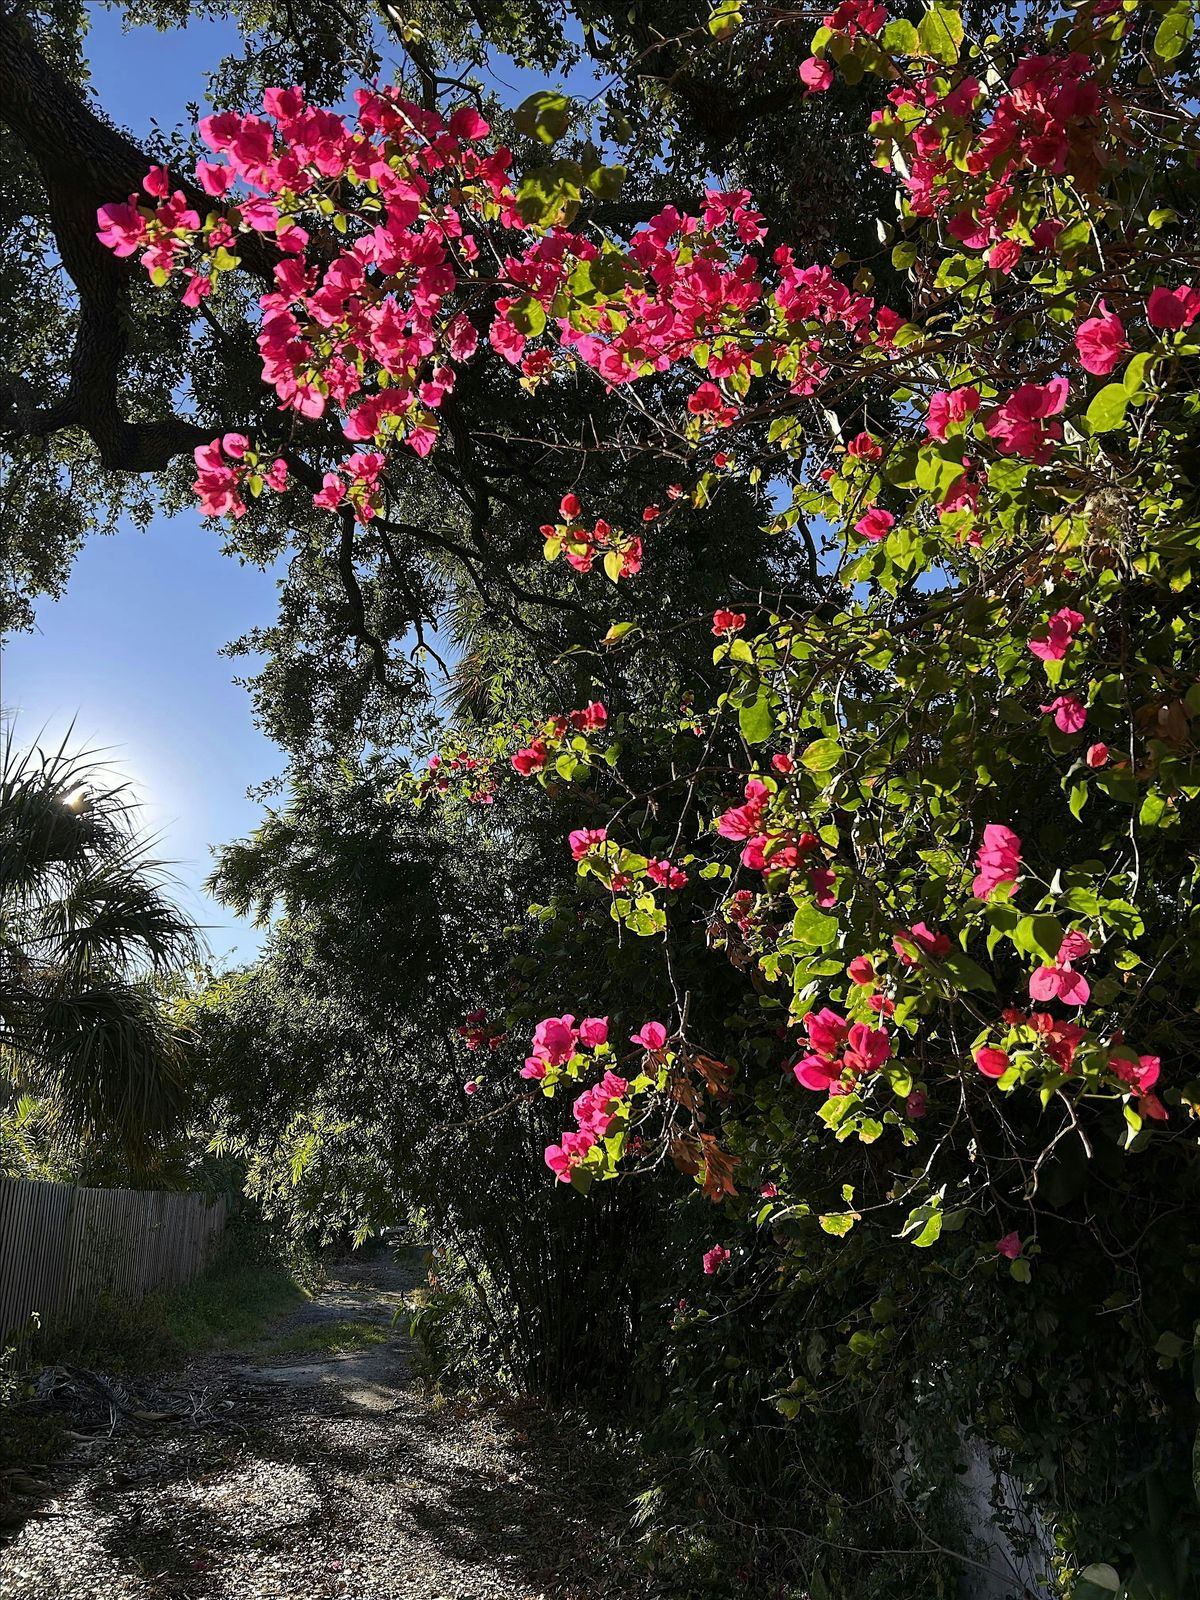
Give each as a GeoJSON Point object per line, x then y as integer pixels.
{"type": "Point", "coordinates": [923, 1226]}
{"type": "Point", "coordinates": [725, 19]}
{"type": "Point", "coordinates": [544, 115]}
{"type": "Point", "coordinates": [900, 38]}
{"type": "Point", "coordinates": [618, 630]}
{"type": "Point", "coordinates": [1134, 377]}
{"type": "Point", "coordinates": [756, 721]}
{"type": "Point", "coordinates": [1107, 410]}
{"type": "Point", "coordinates": [529, 316]}
{"type": "Point", "coordinates": [941, 33]}
{"type": "Point", "coordinates": [1041, 933]}
{"type": "Point", "coordinates": [812, 927]}
{"type": "Point", "coordinates": [838, 1222]}
{"type": "Point", "coordinates": [930, 1233]}
{"type": "Point", "coordinates": [1174, 31]}
{"type": "Point", "coordinates": [968, 974]}
{"type": "Point", "coordinates": [821, 756]}
{"type": "Point", "coordinates": [1102, 1575]}
{"type": "Point", "coordinates": [1170, 1345]}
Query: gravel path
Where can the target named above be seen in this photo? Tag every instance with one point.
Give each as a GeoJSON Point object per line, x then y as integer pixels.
{"type": "Point", "coordinates": [332, 1479]}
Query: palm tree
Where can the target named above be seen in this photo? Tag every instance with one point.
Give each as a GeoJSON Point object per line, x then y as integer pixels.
{"type": "Point", "coordinates": [88, 937]}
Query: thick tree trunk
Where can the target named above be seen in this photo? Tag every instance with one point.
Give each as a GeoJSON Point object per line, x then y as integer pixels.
{"type": "Point", "coordinates": [84, 163]}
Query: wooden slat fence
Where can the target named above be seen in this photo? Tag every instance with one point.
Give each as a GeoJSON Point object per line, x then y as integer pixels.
{"type": "Point", "coordinates": [63, 1246]}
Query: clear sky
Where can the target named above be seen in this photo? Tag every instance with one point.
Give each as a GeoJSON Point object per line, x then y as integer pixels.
{"type": "Point", "coordinates": [131, 652]}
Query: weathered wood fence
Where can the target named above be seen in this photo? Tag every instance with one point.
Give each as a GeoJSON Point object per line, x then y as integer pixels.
{"type": "Point", "coordinates": [62, 1247]}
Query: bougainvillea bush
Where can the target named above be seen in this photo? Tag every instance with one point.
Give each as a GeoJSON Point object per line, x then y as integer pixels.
{"type": "Point", "coordinates": [943, 823]}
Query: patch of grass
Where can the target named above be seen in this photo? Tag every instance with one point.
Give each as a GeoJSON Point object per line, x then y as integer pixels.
{"type": "Point", "coordinates": [332, 1338]}
{"type": "Point", "coordinates": [233, 1305]}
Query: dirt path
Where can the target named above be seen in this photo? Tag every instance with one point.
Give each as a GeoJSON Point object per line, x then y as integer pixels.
{"type": "Point", "coordinates": [305, 1478]}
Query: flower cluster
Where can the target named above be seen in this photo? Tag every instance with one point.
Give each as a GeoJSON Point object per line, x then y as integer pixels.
{"type": "Point", "coordinates": [621, 553]}
{"type": "Point", "coordinates": [840, 1052]}
{"type": "Point", "coordinates": [227, 470]}
{"type": "Point", "coordinates": [456, 771]}
{"type": "Point", "coordinates": [596, 1110]}
{"type": "Point", "coordinates": [477, 1031]}
{"type": "Point", "coordinates": [571, 731]}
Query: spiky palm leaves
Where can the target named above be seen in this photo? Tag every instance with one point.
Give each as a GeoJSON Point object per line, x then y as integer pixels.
{"type": "Point", "coordinates": [87, 937]}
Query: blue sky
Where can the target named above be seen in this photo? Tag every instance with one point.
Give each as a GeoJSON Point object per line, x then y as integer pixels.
{"type": "Point", "coordinates": [131, 652]}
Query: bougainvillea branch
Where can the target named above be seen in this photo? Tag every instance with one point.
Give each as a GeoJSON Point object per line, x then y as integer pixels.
{"type": "Point", "coordinates": [921, 814]}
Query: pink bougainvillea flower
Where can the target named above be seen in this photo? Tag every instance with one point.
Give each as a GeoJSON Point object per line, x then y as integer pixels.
{"type": "Point", "coordinates": [582, 840]}
{"type": "Point", "coordinates": [816, 75]}
{"type": "Point", "coordinates": [593, 1032]}
{"type": "Point", "coordinates": [1141, 1074]}
{"type": "Point", "coordinates": [998, 861]}
{"type": "Point", "coordinates": [122, 227]}
{"type": "Point", "coordinates": [1045, 235]}
{"type": "Point", "coordinates": [865, 447]}
{"type": "Point", "coordinates": [157, 182]}
{"type": "Point", "coordinates": [744, 822]}
{"type": "Point", "coordinates": [867, 1048]}
{"type": "Point", "coordinates": [651, 1036]}
{"type": "Point", "coordinates": [1009, 1247]}
{"type": "Point", "coordinates": [706, 401]}
{"type": "Point", "coordinates": [1060, 981]}
{"type": "Point", "coordinates": [817, 1072]}
{"type": "Point", "coordinates": [531, 759]}
{"type": "Point", "coordinates": [947, 406]}
{"type": "Point", "coordinates": [569, 507]}
{"type": "Point", "coordinates": [768, 1191]}
{"type": "Point", "coordinates": [992, 1062]}
{"type": "Point", "coordinates": [861, 971]}
{"type": "Point", "coordinates": [1068, 711]}
{"type": "Point", "coordinates": [929, 943]}
{"type": "Point", "coordinates": [471, 1086]}
{"type": "Point", "coordinates": [783, 763]}
{"type": "Point", "coordinates": [915, 1106]}
{"type": "Point", "coordinates": [1097, 755]}
{"type": "Point", "coordinates": [466, 123]}
{"type": "Point", "coordinates": [596, 1107]}
{"type": "Point", "coordinates": [1173, 308]}
{"type": "Point", "coordinates": [875, 524]}
{"type": "Point", "coordinates": [562, 1158]}
{"type": "Point", "coordinates": [214, 177]}
{"type": "Point", "coordinates": [714, 1260]}
{"type": "Point", "coordinates": [666, 874]}
{"type": "Point", "coordinates": [826, 1030]}
{"type": "Point", "coordinates": [1004, 255]}
{"type": "Point", "coordinates": [1101, 342]}
{"type": "Point", "coordinates": [1020, 425]}
{"type": "Point", "coordinates": [728, 622]}
{"type": "Point", "coordinates": [1058, 633]}
{"type": "Point", "coordinates": [554, 1040]}
{"type": "Point", "coordinates": [590, 719]}
{"type": "Point", "coordinates": [463, 338]}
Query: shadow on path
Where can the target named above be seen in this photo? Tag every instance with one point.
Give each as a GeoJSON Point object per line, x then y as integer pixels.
{"type": "Point", "coordinates": [332, 1479]}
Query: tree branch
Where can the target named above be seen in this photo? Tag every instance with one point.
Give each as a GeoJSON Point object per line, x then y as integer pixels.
{"type": "Point", "coordinates": [84, 163]}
